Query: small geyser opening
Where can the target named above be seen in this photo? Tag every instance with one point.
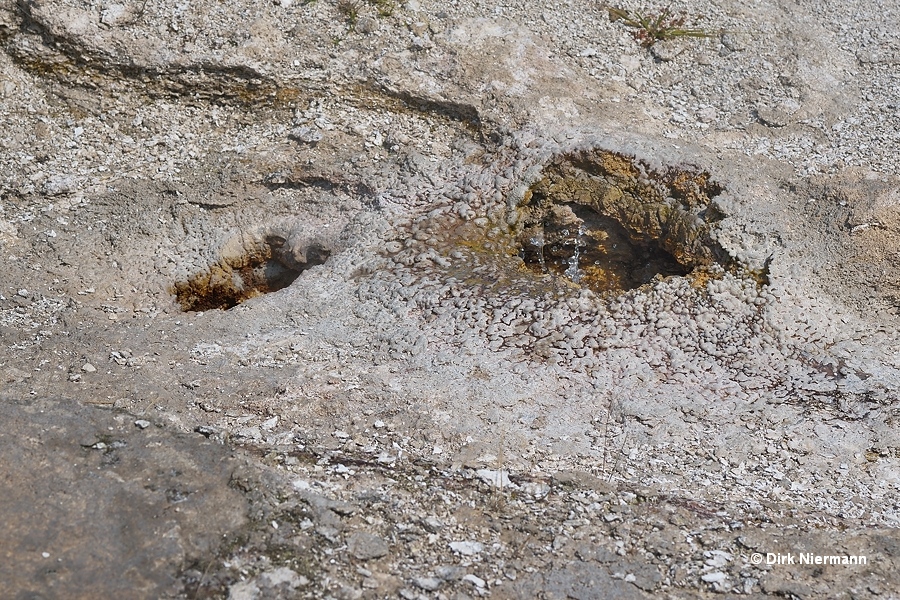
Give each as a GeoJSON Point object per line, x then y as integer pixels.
{"type": "Point", "coordinates": [607, 222]}
{"type": "Point", "coordinates": [263, 269]}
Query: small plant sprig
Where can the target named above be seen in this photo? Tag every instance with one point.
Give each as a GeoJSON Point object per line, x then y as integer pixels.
{"type": "Point", "coordinates": [385, 8]}
{"type": "Point", "coordinates": [350, 9]}
{"type": "Point", "coordinates": [650, 28]}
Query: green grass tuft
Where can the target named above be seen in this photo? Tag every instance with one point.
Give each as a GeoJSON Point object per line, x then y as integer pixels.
{"type": "Point", "coordinates": [651, 28]}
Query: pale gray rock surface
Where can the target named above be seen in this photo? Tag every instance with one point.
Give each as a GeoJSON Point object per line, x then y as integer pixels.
{"type": "Point", "coordinates": [410, 384]}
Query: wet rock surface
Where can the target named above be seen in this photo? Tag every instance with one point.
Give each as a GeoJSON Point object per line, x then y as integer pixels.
{"type": "Point", "coordinates": [274, 322]}
{"type": "Point", "coordinates": [603, 221]}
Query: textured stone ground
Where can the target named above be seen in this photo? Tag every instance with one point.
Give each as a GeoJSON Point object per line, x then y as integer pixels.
{"type": "Point", "coordinates": [419, 413]}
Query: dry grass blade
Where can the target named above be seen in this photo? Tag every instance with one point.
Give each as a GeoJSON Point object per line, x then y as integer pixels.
{"type": "Point", "coordinates": [616, 14]}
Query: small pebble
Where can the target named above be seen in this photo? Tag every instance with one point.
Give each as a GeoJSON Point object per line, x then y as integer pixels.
{"type": "Point", "coordinates": [466, 548]}
{"type": "Point", "coordinates": [428, 584]}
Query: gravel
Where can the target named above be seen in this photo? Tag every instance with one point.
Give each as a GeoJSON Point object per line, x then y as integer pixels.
{"type": "Point", "coordinates": [421, 415]}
